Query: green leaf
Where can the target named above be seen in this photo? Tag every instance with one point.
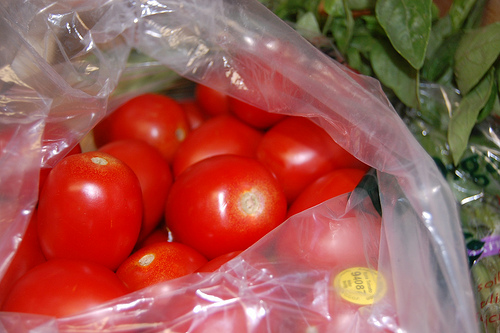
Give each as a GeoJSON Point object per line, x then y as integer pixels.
{"type": "Point", "coordinates": [459, 10]}
{"type": "Point", "coordinates": [490, 104]}
{"type": "Point", "coordinates": [477, 51]}
{"type": "Point", "coordinates": [441, 30]}
{"type": "Point", "coordinates": [435, 67]}
{"type": "Point", "coordinates": [308, 24]}
{"type": "Point", "coordinates": [408, 25]}
{"type": "Point", "coordinates": [394, 72]}
{"type": "Point", "coordinates": [465, 117]}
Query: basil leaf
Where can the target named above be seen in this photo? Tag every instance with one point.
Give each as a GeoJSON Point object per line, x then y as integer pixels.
{"type": "Point", "coordinates": [394, 72]}
{"type": "Point", "coordinates": [490, 104]}
{"type": "Point", "coordinates": [442, 61]}
{"type": "Point", "coordinates": [441, 30]}
{"type": "Point", "coordinates": [459, 10]}
{"type": "Point", "coordinates": [465, 117]}
{"type": "Point", "coordinates": [407, 23]}
{"type": "Point", "coordinates": [477, 51]}
{"type": "Point", "coordinates": [307, 24]}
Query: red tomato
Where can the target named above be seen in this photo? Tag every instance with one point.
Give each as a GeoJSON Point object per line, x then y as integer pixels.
{"type": "Point", "coordinates": [332, 184]}
{"type": "Point", "coordinates": [154, 176]}
{"type": "Point", "coordinates": [28, 255]}
{"type": "Point", "coordinates": [157, 119]}
{"type": "Point", "coordinates": [252, 115]}
{"type": "Point", "coordinates": [90, 208]}
{"type": "Point", "coordinates": [159, 262]}
{"type": "Point", "coordinates": [224, 203]}
{"type": "Point", "coordinates": [298, 151]}
{"type": "Point", "coordinates": [194, 114]}
{"type": "Point", "coordinates": [217, 262]}
{"type": "Point", "coordinates": [63, 287]}
{"type": "Point", "coordinates": [219, 135]}
{"type": "Point", "coordinates": [328, 243]}
{"type": "Point", "coordinates": [211, 101]}
{"type": "Point", "coordinates": [160, 234]}
{"type": "Point", "coordinates": [44, 172]}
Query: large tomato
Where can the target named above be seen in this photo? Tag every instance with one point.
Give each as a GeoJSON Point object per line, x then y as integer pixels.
{"type": "Point", "coordinates": [332, 184]}
{"type": "Point", "coordinates": [90, 208]}
{"type": "Point", "coordinates": [158, 262]}
{"type": "Point", "coordinates": [157, 119]}
{"type": "Point", "coordinates": [224, 203]}
{"type": "Point", "coordinates": [154, 176]}
{"type": "Point", "coordinates": [298, 151]}
{"type": "Point", "coordinates": [219, 135]}
{"type": "Point", "coordinates": [63, 287]}
{"type": "Point", "coordinates": [28, 255]}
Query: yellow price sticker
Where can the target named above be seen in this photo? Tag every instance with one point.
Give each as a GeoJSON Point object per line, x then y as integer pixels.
{"type": "Point", "coordinates": [360, 285]}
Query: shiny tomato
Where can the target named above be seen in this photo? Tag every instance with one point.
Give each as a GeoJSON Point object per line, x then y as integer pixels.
{"type": "Point", "coordinates": [44, 172]}
{"type": "Point", "coordinates": [155, 177]}
{"type": "Point", "coordinates": [159, 262]}
{"type": "Point", "coordinates": [90, 208]}
{"type": "Point", "coordinates": [298, 151]}
{"type": "Point", "coordinates": [217, 262]}
{"type": "Point", "coordinates": [252, 115]}
{"type": "Point", "coordinates": [224, 203]}
{"type": "Point", "coordinates": [332, 184]}
{"type": "Point", "coordinates": [194, 114]}
{"type": "Point", "coordinates": [219, 135]}
{"type": "Point", "coordinates": [63, 287]}
{"type": "Point", "coordinates": [28, 255]}
{"type": "Point", "coordinates": [211, 101]}
{"type": "Point", "coordinates": [157, 119]}
{"type": "Point", "coordinates": [328, 243]}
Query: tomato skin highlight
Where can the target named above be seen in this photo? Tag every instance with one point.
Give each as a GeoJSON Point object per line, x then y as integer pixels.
{"type": "Point", "coordinates": [219, 135]}
{"type": "Point", "coordinates": [157, 119]}
{"type": "Point", "coordinates": [158, 262]}
{"type": "Point", "coordinates": [63, 287]}
{"type": "Point", "coordinates": [90, 208]}
{"type": "Point", "coordinates": [224, 203]}
{"type": "Point", "coordinates": [298, 151]}
{"type": "Point", "coordinates": [153, 172]}
{"type": "Point", "coordinates": [332, 184]}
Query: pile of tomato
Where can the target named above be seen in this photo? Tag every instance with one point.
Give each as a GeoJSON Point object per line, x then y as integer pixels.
{"type": "Point", "coordinates": [173, 187]}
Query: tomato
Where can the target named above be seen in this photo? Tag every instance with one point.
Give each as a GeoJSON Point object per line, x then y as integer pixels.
{"type": "Point", "coordinates": [194, 114]}
{"type": "Point", "coordinates": [63, 287]}
{"type": "Point", "coordinates": [155, 177]}
{"type": "Point", "coordinates": [44, 172]}
{"type": "Point", "coordinates": [90, 208]}
{"type": "Point", "coordinates": [157, 119]}
{"type": "Point", "coordinates": [160, 234]}
{"type": "Point", "coordinates": [224, 203]}
{"type": "Point", "coordinates": [28, 255]}
{"type": "Point", "coordinates": [321, 242]}
{"type": "Point", "coordinates": [252, 115]}
{"type": "Point", "coordinates": [298, 151]}
{"type": "Point", "coordinates": [159, 262]}
{"type": "Point", "coordinates": [211, 101]}
{"type": "Point", "coordinates": [219, 135]}
{"type": "Point", "coordinates": [217, 262]}
{"type": "Point", "coordinates": [332, 184]}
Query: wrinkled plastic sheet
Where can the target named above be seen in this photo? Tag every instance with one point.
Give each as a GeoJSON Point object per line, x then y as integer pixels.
{"type": "Point", "coordinates": [60, 63]}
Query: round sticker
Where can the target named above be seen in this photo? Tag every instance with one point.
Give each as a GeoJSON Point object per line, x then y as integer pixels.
{"type": "Point", "coordinates": [360, 285]}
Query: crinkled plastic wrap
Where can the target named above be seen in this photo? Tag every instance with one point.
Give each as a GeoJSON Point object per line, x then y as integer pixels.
{"type": "Point", "coordinates": [59, 65]}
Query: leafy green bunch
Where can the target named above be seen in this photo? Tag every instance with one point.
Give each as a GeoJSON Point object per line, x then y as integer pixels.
{"type": "Point", "coordinates": [405, 43]}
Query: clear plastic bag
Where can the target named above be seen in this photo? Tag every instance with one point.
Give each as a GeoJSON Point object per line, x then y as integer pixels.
{"type": "Point", "coordinates": [60, 64]}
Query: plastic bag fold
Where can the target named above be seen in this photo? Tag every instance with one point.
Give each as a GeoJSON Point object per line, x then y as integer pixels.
{"type": "Point", "coordinates": [60, 63]}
